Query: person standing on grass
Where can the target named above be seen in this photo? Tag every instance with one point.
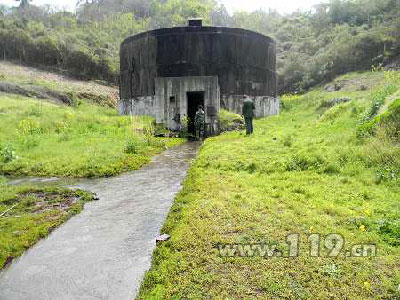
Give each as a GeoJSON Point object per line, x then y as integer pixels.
{"type": "Point", "coordinates": [199, 121]}
{"type": "Point", "coordinates": [248, 114]}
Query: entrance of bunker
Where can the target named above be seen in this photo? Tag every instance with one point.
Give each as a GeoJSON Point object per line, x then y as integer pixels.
{"type": "Point", "coordinates": [194, 99]}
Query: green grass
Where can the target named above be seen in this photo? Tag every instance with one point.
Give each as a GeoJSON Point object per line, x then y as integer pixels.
{"type": "Point", "coordinates": [32, 214]}
{"type": "Point", "coordinates": [304, 172]}
{"type": "Point", "coordinates": [38, 138]}
{"type": "Point", "coordinates": [389, 121]}
{"type": "Point", "coordinates": [356, 81]}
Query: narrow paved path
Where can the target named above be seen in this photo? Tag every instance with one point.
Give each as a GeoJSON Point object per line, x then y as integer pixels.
{"type": "Point", "coordinates": [103, 252]}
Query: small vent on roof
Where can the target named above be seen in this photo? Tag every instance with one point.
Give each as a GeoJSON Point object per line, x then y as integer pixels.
{"type": "Point", "coordinates": [195, 22]}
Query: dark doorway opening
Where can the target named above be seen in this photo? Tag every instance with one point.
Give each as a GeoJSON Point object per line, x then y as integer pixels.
{"type": "Point", "coordinates": [194, 99]}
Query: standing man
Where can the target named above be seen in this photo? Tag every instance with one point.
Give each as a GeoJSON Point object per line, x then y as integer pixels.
{"type": "Point", "coordinates": [248, 114]}
{"type": "Point", "coordinates": [199, 121]}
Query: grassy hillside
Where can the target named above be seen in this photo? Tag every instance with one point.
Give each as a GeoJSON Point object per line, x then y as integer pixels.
{"type": "Point", "coordinates": [43, 139]}
{"type": "Point", "coordinates": [71, 130]}
{"type": "Point", "coordinates": [303, 172]}
{"type": "Point", "coordinates": [33, 82]}
{"type": "Point", "coordinates": [40, 137]}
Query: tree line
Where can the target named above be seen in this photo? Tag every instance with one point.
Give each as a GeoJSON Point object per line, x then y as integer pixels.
{"type": "Point", "coordinates": [312, 47]}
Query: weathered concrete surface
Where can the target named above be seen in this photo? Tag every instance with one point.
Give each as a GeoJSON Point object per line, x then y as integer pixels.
{"type": "Point", "coordinates": [244, 61]}
{"type": "Point", "coordinates": [176, 88]}
{"type": "Point", "coordinates": [223, 63]}
{"type": "Point", "coordinates": [264, 105]}
{"type": "Point", "coordinates": [138, 106]}
{"type": "Point", "coordinates": [160, 106]}
{"type": "Point", "coordinates": [103, 252]}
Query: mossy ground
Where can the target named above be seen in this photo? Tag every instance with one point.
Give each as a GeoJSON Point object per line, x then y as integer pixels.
{"type": "Point", "coordinates": [303, 172]}
{"type": "Point", "coordinates": [31, 213]}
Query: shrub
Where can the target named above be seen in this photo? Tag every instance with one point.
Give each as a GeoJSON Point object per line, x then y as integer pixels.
{"type": "Point", "coordinates": [230, 121]}
{"type": "Point", "coordinates": [378, 97]}
{"type": "Point", "coordinates": [287, 101]}
{"type": "Point", "coordinates": [387, 173]}
{"type": "Point", "coordinates": [390, 121]}
{"type": "Point", "coordinates": [334, 113]}
{"type": "Point", "coordinates": [157, 143]}
{"type": "Point", "coordinates": [29, 142]}
{"type": "Point", "coordinates": [390, 229]}
{"type": "Point", "coordinates": [7, 154]}
{"type": "Point", "coordinates": [288, 141]}
{"type": "Point", "coordinates": [303, 162]}
{"type": "Point", "coordinates": [133, 146]}
{"type": "Point", "coordinates": [29, 127]}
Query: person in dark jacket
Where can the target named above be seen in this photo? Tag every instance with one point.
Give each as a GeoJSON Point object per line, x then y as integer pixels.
{"type": "Point", "coordinates": [199, 121]}
{"type": "Point", "coordinates": [248, 114]}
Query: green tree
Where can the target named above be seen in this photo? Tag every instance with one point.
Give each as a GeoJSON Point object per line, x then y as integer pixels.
{"type": "Point", "coordinates": [23, 3]}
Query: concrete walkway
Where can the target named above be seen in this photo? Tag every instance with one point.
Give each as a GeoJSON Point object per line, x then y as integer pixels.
{"type": "Point", "coordinates": [103, 252]}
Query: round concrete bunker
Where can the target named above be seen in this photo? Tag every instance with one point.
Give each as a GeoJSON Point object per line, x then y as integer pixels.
{"type": "Point", "coordinates": [167, 73]}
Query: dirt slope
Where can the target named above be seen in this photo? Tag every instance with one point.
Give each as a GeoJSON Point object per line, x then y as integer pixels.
{"type": "Point", "coordinates": [47, 85]}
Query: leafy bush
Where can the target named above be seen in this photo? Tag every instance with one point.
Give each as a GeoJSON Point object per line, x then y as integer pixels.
{"type": "Point", "coordinates": [287, 101]}
{"type": "Point", "coordinates": [334, 113]}
{"type": "Point", "coordinates": [391, 230]}
{"type": "Point", "coordinates": [387, 173]}
{"type": "Point", "coordinates": [390, 121]}
{"type": "Point", "coordinates": [230, 121]}
{"type": "Point", "coordinates": [133, 146]}
{"type": "Point", "coordinates": [377, 101]}
{"type": "Point", "coordinates": [52, 50]}
{"type": "Point", "coordinates": [378, 97]}
{"type": "Point", "coordinates": [303, 162]}
{"type": "Point", "coordinates": [29, 127]}
{"type": "Point", "coordinates": [288, 140]}
{"type": "Point", "coordinates": [7, 154]}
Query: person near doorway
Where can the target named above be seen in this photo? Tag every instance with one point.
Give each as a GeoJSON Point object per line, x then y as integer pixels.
{"type": "Point", "coordinates": [248, 114]}
{"type": "Point", "coordinates": [199, 122]}
{"type": "Point", "coordinates": [177, 120]}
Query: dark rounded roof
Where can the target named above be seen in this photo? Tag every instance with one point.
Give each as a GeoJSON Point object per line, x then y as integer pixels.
{"type": "Point", "coordinates": [198, 29]}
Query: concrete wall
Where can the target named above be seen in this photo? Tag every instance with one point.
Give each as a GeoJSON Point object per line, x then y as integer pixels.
{"type": "Point", "coordinates": [163, 109]}
{"type": "Point", "coordinates": [265, 105]}
{"type": "Point", "coordinates": [177, 88]}
{"type": "Point", "coordinates": [244, 61]}
{"type": "Point", "coordinates": [224, 63]}
{"type": "Point", "coordinates": [159, 107]}
{"type": "Point", "coordinates": [137, 106]}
